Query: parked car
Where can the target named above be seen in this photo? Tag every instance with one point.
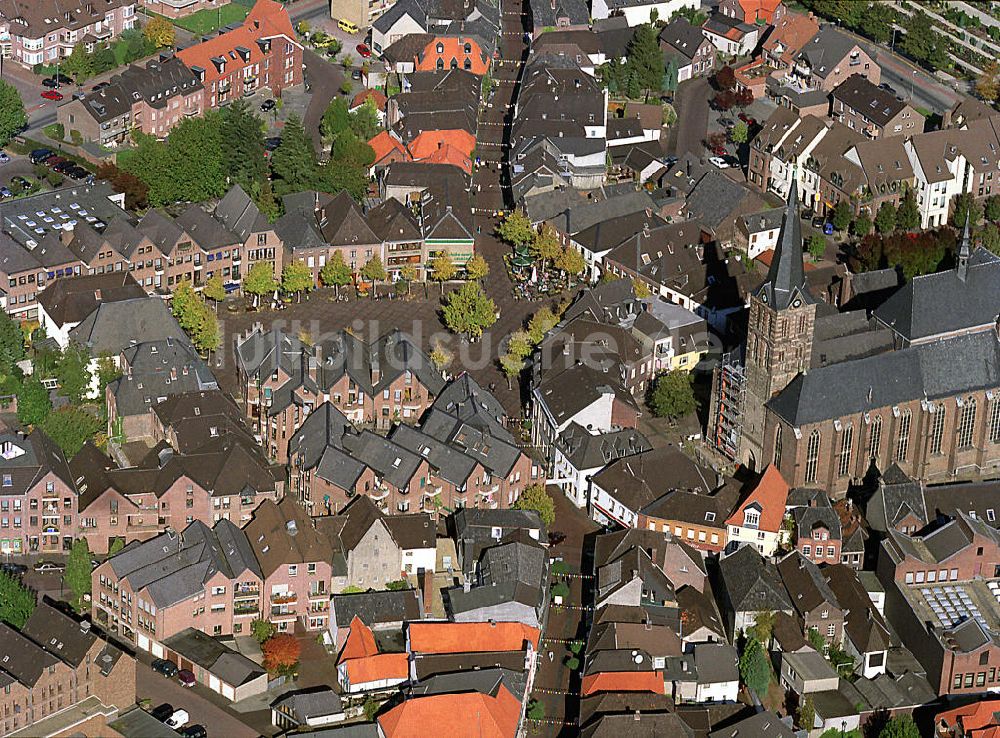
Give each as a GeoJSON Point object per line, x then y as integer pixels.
{"type": "Point", "coordinates": [732, 161]}
{"type": "Point", "coordinates": [718, 161]}
{"type": "Point", "coordinates": [61, 79]}
{"type": "Point", "coordinates": [162, 712]}
{"type": "Point", "coordinates": [747, 119]}
{"type": "Point", "coordinates": [3, 157]}
{"type": "Point", "coordinates": [5, 192]}
{"type": "Point", "coordinates": [268, 105]}
{"type": "Point", "coordinates": [39, 155]}
{"type": "Point", "coordinates": [164, 667]}
{"type": "Point", "coordinates": [15, 570]}
{"type": "Point", "coordinates": [44, 565]}
{"type": "Point", "coordinates": [194, 731]}
{"type": "Point", "coordinates": [817, 222]}
{"type": "Point", "coordinates": [270, 144]}
{"type": "Point", "coordinates": [720, 151]}
{"type": "Point", "coordinates": [20, 182]}
{"type": "Point", "coordinates": [52, 95]}
{"type": "Point", "coordinates": [54, 161]}
{"type": "Point", "coordinates": [178, 720]}
{"type": "Point", "coordinates": [100, 86]}
{"type": "Point", "coordinates": [670, 161]}
{"type": "Point", "coordinates": [186, 677]}
{"type": "Point", "coordinates": [356, 74]}
{"type": "Point", "coordinates": [50, 83]}
{"type": "Point", "coordinates": [78, 172]}
{"type": "Point", "coordinates": [828, 228]}
{"type": "Point", "coordinates": [64, 166]}
{"type": "Point", "coordinates": [364, 51]}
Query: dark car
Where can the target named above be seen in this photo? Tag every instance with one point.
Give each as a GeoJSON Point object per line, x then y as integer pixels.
{"type": "Point", "coordinates": [64, 167]}
{"type": "Point", "coordinates": [100, 86]}
{"type": "Point", "coordinates": [732, 161]}
{"type": "Point", "coordinates": [270, 144]}
{"type": "Point", "coordinates": [194, 731]}
{"type": "Point", "coordinates": [77, 172]}
{"type": "Point", "coordinates": [356, 74]}
{"type": "Point", "coordinates": [15, 570]}
{"type": "Point", "coordinates": [267, 106]}
{"type": "Point", "coordinates": [727, 122]}
{"type": "Point", "coordinates": [20, 182]}
{"type": "Point", "coordinates": [54, 161]}
{"type": "Point", "coordinates": [817, 222]}
{"type": "Point", "coordinates": [164, 667]}
{"type": "Point", "coordinates": [162, 712]}
{"type": "Point", "coordinates": [39, 155]}
{"type": "Point", "coordinates": [61, 79]}
{"type": "Point", "coordinates": [186, 677]}
{"type": "Point", "coordinates": [50, 83]}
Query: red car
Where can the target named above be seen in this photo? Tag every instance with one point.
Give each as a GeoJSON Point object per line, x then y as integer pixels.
{"type": "Point", "coordinates": [747, 119]}
{"type": "Point", "coordinates": [364, 51]}
{"type": "Point", "coordinates": [720, 151]}
{"type": "Point", "coordinates": [52, 95]}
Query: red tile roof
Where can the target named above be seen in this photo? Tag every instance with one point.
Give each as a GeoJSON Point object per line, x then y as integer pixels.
{"type": "Point", "coordinates": [464, 715]}
{"type": "Point", "coordinates": [453, 49]}
{"type": "Point", "coordinates": [978, 720]}
{"type": "Point", "coordinates": [623, 681]}
{"type": "Point", "coordinates": [267, 19]}
{"type": "Point", "coordinates": [794, 32]}
{"type": "Point", "coordinates": [470, 637]}
{"type": "Point", "coordinates": [378, 667]}
{"type": "Point", "coordinates": [759, 9]}
{"type": "Point", "coordinates": [376, 95]}
{"type": "Point", "coordinates": [765, 258]}
{"type": "Point", "coordinates": [445, 147]}
{"type": "Point", "coordinates": [385, 143]}
{"type": "Point", "coordinates": [770, 494]}
{"type": "Point", "coordinates": [360, 642]}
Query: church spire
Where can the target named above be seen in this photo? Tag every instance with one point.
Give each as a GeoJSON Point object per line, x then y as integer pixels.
{"type": "Point", "coordinates": [786, 281]}
{"type": "Point", "coordinates": [963, 251]}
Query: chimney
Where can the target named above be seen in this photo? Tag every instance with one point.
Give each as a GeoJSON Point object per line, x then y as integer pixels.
{"type": "Point", "coordinates": [635, 716]}
{"type": "Point", "coordinates": [467, 586]}
{"type": "Point", "coordinates": [291, 527]}
{"type": "Point", "coordinates": [97, 295]}
{"type": "Point", "coordinates": [85, 626]}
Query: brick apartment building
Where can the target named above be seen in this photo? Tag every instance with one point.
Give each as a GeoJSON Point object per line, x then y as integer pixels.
{"type": "Point", "coordinates": [260, 54]}
{"type": "Point", "coordinates": [38, 498]}
{"type": "Point", "coordinates": [200, 577]}
{"type": "Point", "coordinates": [56, 663]}
{"type": "Point", "coordinates": [41, 31]}
{"type": "Point", "coordinates": [296, 565]}
{"type": "Point", "coordinates": [151, 98]}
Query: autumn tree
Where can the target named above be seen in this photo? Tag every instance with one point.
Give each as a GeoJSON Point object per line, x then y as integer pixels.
{"type": "Point", "coordinates": [260, 280]}
{"type": "Point", "coordinates": [534, 497]}
{"type": "Point", "coordinates": [469, 310]}
{"type": "Point", "coordinates": [516, 229]}
{"type": "Point", "coordinates": [159, 31]}
{"type": "Point", "coordinates": [476, 268]}
{"type": "Point", "coordinates": [571, 261]}
{"type": "Point", "coordinates": [546, 245]}
{"type": "Point", "coordinates": [541, 323]}
{"type": "Point", "coordinates": [281, 653]}
{"type": "Point", "coordinates": [442, 268]}
{"type": "Point", "coordinates": [296, 278]}
{"type": "Point", "coordinates": [374, 272]}
{"type": "Point", "coordinates": [215, 289]}
{"type": "Point", "coordinates": [988, 83]}
{"type": "Point", "coordinates": [440, 356]}
{"type": "Point", "coordinates": [335, 273]}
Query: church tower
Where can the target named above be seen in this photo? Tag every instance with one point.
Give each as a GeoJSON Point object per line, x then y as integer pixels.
{"type": "Point", "coordinates": [779, 333]}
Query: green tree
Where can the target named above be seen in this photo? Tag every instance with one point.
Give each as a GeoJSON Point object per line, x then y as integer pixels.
{"type": "Point", "coordinates": [184, 306]}
{"type": "Point", "coordinates": [921, 43]}
{"type": "Point", "coordinates": [397, 584]}
{"type": "Point", "coordinates": [12, 115]}
{"type": "Point", "coordinates": [536, 710]}
{"type": "Point", "coordinates": [243, 151]}
{"type": "Point", "coordinates": [442, 268]}
{"type": "Point", "coordinates": [755, 671]}
{"type": "Point", "coordinates": [11, 343]}
{"type": "Point", "coordinates": [441, 357]}
{"type": "Point", "coordinates": [739, 132]}
{"type": "Point", "coordinates": [862, 225]}
{"type": "Point", "coordinates": [116, 545]}
{"type": "Point", "coordinates": [762, 627]}
{"type": "Point", "coordinates": [541, 323]}
{"type": "Point", "coordinates": [78, 64]}
{"type": "Point", "coordinates": [159, 31]}
{"type": "Point", "coordinates": [215, 289]}
{"type": "Point", "coordinates": [534, 497]}
{"type": "Point", "coordinates": [901, 726]}
{"type": "Point", "coordinates": [352, 152]}
{"type": "Point", "coordinates": [78, 568]}
{"type": "Point", "coordinates": [33, 402]}
{"type": "Point", "coordinates": [371, 707]}
{"type": "Point", "coordinates": [374, 271]}
{"type": "Point", "coordinates": [842, 215]}
{"type": "Point", "coordinates": [206, 336]}
{"type": "Point", "coordinates": [546, 245]}
{"type": "Point", "coordinates": [335, 273]}
{"type": "Point", "coordinates": [17, 602]}
{"type": "Point", "coordinates": [296, 278]}
{"type": "Point", "coordinates": [294, 161]}
{"type": "Point", "coordinates": [672, 395]}
{"type": "Point", "coordinates": [468, 310]}
{"type": "Point", "coordinates": [908, 215]}
{"type": "Point", "coordinates": [260, 280]}
{"type": "Point", "coordinates": [107, 372]}
{"type": "Point", "coordinates": [511, 366]}
{"type": "Point", "coordinates": [966, 205]}
{"type": "Point", "coordinates": [70, 427]}
{"type": "Point", "coordinates": [364, 121]}
{"type": "Point", "coordinates": [570, 261]}
{"type": "Point", "coordinates": [816, 640]}
{"type": "Point", "coordinates": [516, 229]}
{"type": "Point", "coordinates": [885, 218]}
{"type": "Point", "coordinates": [991, 208]}
{"type": "Point", "coordinates": [476, 268]}
{"type": "Point", "coordinates": [816, 245]}
{"type": "Point", "coordinates": [644, 61]}
{"type": "Point", "coordinates": [261, 630]}
{"type": "Point", "coordinates": [520, 344]}
{"type": "Point", "coordinates": [73, 373]}
{"type": "Point", "coordinates": [806, 715]}
{"type": "Point", "coordinates": [989, 236]}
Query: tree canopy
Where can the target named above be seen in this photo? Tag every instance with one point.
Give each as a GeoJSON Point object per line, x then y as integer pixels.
{"type": "Point", "coordinates": [672, 395]}
{"type": "Point", "coordinates": [469, 310]}
{"type": "Point", "coordinates": [755, 672]}
{"type": "Point", "coordinates": [534, 497]}
{"type": "Point", "coordinates": [78, 568]}
{"type": "Point", "coordinates": [12, 115]}
{"type": "Point", "coordinates": [17, 602]}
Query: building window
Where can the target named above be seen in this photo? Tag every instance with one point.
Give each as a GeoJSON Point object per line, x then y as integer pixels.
{"type": "Point", "coordinates": [903, 439]}
{"type": "Point", "coordinates": [966, 422]}
{"type": "Point", "coordinates": [875, 440]}
{"type": "Point", "coordinates": [846, 446]}
{"type": "Point", "coordinates": [937, 429]}
{"type": "Point", "coordinates": [812, 456]}
{"type": "Point", "coordinates": [777, 447]}
{"type": "Point", "coordinates": [831, 630]}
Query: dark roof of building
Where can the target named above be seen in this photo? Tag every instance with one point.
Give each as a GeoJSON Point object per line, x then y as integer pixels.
{"type": "Point", "coordinates": [213, 656]}
{"type": "Point", "coordinates": [808, 518]}
{"type": "Point", "coordinates": [864, 624]}
{"type": "Point", "coordinates": [553, 13]}
{"type": "Point", "coordinates": [682, 37]}
{"type": "Point", "coordinates": [826, 50]}
{"type": "Point", "coordinates": [632, 480]}
{"type": "Point", "coordinates": [115, 326]}
{"type": "Point", "coordinates": [698, 610]}
{"type": "Point", "coordinates": [786, 281]}
{"type": "Point", "coordinates": [752, 583]}
{"type": "Point", "coordinates": [807, 589]}
{"type": "Point", "coordinates": [283, 534]}
{"type": "Point", "coordinates": [586, 450]}
{"type": "Point", "coordinates": [72, 300]}
{"type": "Point", "coordinates": [638, 724]}
{"type": "Point", "coordinates": [27, 459]}
{"type": "Point", "coordinates": [156, 370]}
{"type": "Point", "coordinates": [875, 103]}
{"type": "Point", "coordinates": [308, 704]}
{"type": "Point", "coordinates": [924, 372]}
{"type": "Point", "coordinates": [374, 608]}
{"type": "Point", "coordinates": [60, 634]}
{"type": "Point", "coordinates": [22, 658]}
{"type": "Point", "coordinates": [238, 213]}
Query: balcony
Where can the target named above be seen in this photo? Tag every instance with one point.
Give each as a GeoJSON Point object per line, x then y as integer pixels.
{"type": "Point", "coordinates": [322, 594]}
{"type": "Point", "coordinates": [239, 592]}
{"type": "Point", "coordinates": [279, 614]}
{"type": "Point", "coordinates": [284, 598]}
{"type": "Point", "coordinates": [240, 610]}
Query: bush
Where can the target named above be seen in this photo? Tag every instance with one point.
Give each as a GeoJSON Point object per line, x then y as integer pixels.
{"type": "Point", "coordinates": [53, 178]}
{"type": "Point", "coordinates": [560, 590]}
{"type": "Point", "coordinates": [55, 131]}
{"type": "Point", "coordinates": [572, 663]}
{"type": "Point", "coordinates": [76, 137]}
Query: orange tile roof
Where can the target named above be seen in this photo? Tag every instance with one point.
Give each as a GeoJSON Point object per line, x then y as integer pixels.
{"type": "Point", "coordinates": [765, 258]}
{"type": "Point", "coordinates": [376, 95]}
{"type": "Point", "coordinates": [979, 716]}
{"type": "Point", "coordinates": [463, 715]}
{"type": "Point", "coordinates": [378, 667]}
{"type": "Point", "coordinates": [427, 141]}
{"type": "Point", "coordinates": [449, 155]}
{"type": "Point", "coordinates": [384, 144]}
{"type": "Point", "coordinates": [470, 637]}
{"type": "Point", "coordinates": [762, 9]}
{"type": "Point", "coordinates": [267, 19]}
{"type": "Point", "coordinates": [770, 493]}
{"type": "Point", "coordinates": [794, 32]}
{"type": "Point", "coordinates": [623, 681]}
{"type": "Point", "coordinates": [360, 642]}
{"type": "Point", "coordinates": [453, 48]}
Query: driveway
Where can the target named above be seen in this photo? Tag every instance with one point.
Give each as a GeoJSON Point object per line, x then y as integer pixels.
{"type": "Point", "coordinates": [691, 103]}
{"type": "Point", "coordinates": [197, 700]}
{"type": "Point", "coordinates": [324, 81]}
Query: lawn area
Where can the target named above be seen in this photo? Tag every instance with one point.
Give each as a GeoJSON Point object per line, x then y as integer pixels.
{"type": "Point", "coordinates": [209, 19]}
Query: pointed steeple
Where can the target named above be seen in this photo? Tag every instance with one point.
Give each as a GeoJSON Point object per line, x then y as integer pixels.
{"type": "Point", "coordinates": [964, 251]}
{"type": "Point", "coordinates": [786, 281]}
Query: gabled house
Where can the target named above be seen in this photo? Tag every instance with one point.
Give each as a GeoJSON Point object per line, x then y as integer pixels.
{"type": "Point", "coordinates": [578, 454]}
{"type": "Point", "coordinates": [757, 519]}
{"type": "Point", "coordinates": [818, 534]}
{"type": "Point", "coordinates": [361, 667]}
{"type": "Point", "coordinates": [686, 49]}
{"type": "Point", "coordinates": [379, 610]}
{"type": "Point", "coordinates": [866, 635]}
{"type": "Point", "coordinates": [815, 603]}
{"type": "Point", "coordinates": [750, 585]}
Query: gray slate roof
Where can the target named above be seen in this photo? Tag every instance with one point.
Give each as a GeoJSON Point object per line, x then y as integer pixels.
{"type": "Point", "coordinates": [230, 666]}
{"type": "Point", "coordinates": [751, 583]}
